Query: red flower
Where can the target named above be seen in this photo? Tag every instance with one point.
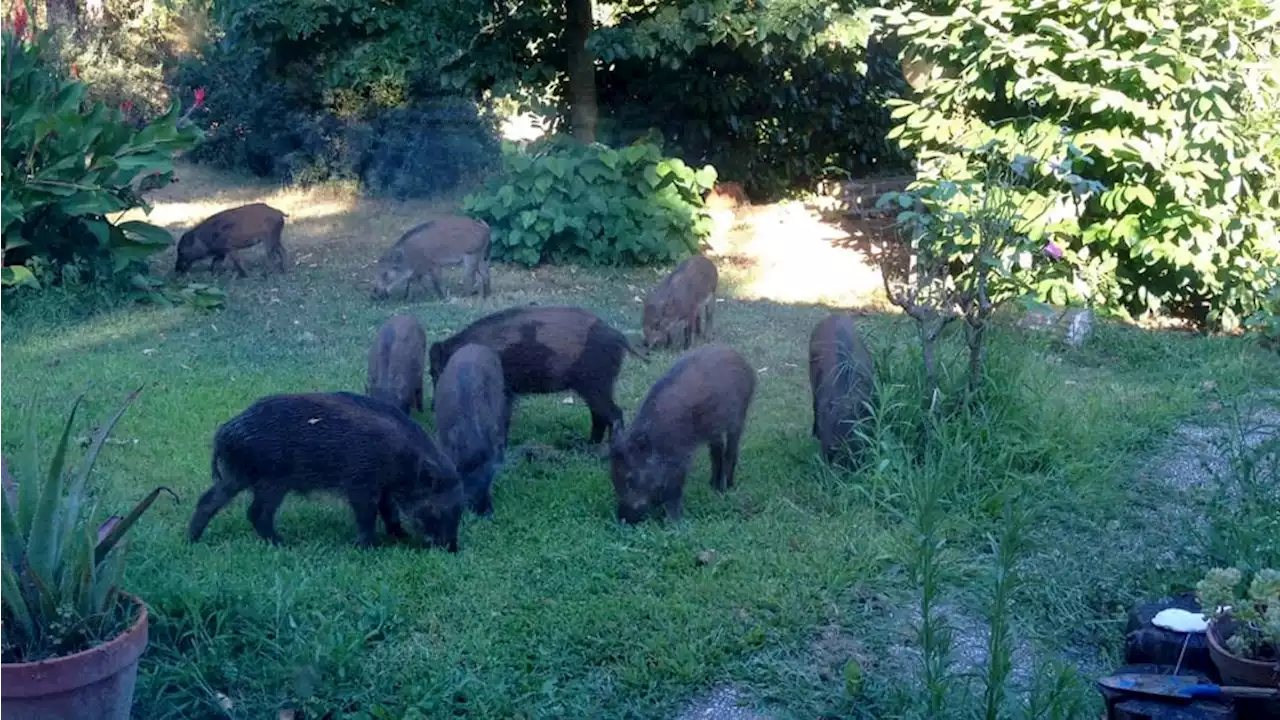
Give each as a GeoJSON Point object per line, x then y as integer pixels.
{"type": "Point", "coordinates": [126, 106]}
{"type": "Point", "coordinates": [75, 71]}
{"type": "Point", "coordinates": [199, 92]}
{"type": "Point", "coordinates": [20, 20]}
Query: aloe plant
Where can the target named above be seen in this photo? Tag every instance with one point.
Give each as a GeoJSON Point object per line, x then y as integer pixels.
{"type": "Point", "coordinates": [61, 578]}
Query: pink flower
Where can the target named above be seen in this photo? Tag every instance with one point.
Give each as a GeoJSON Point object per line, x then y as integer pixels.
{"type": "Point", "coordinates": [199, 92]}
{"type": "Point", "coordinates": [20, 20]}
{"type": "Point", "coordinates": [1053, 251]}
{"type": "Point", "coordinates": [126, 106]}
{"type": "Point", "coordinates": [75, 71]}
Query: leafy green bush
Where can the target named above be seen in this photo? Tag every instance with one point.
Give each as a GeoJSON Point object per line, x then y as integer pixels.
{"type": "Point", "coordinates": [775, 95]}
{"type": "Point", "coordinates": [564, 201]}
{"type": "Point", "coordinates": [349, 91]}
{"type": "Point", "coordinates": [67, 167]}
{"type": "Point", "coordinates": [1173, 104]}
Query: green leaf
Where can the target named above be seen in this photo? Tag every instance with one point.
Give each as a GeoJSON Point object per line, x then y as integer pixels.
{"type": "Point", "coordinates": [146, 233]}
{"type": "Point", "coordinates": [44, 540]}
{"type": "Point", "coordinates": [12, 275]}
{"type": "Point", "coordinates": [91, 202]}
{"type": "Point", "coordinates": [15, 601]}
{"type": "Point", "coordinates": [1144, 195]}
{"type": "Point", "coordinates": [75, 494]}
{"type": "Point", "coordinates": [118, 531]}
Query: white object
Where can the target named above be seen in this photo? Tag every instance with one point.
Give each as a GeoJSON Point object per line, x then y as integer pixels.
{"type": "Point", "coordinates": [1180, 621]}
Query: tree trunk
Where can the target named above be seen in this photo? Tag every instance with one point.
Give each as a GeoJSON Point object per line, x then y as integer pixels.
{"type": "Point", "coordinates": [582, 70]}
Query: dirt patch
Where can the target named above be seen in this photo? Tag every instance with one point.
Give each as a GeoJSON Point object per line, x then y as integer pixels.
{"type": "Point", "coordinates": [1197, 454]}
{"type": "Point", "coordinates": [722, 703]}
{"type": "Point", "coordinates": [969, 638]}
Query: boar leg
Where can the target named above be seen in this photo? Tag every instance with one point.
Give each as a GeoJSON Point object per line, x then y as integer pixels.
{"type": "Point", "coordinates": [603, 414]}
{"type": "Point", "coordinates": [717, 463]}
{"type": "Point", "coordinates": [484, 276]}
{"type": "Point", "coordinates": [710, 307]}
{"type": "Point", "coordinates": [434, 274]}
{"type": "Point", "coordinates": [471, 272]}
{"type": "Point", "coordinates": [674, 503]}
{"type": "Point", "coordinates": [390, 518]}
{"type": "Point", "coordinates": [732, 441]}
{"type": "Point", "coordinates": [262, 512]}
{"type": "Point", "coordinates": [417, 397]}
{"type": "Point", "coordinates": [216, 264]}
{"type": "Point", "coordinates": [235, 260]}
{"type": "Point", "coordinates": [366, 512]}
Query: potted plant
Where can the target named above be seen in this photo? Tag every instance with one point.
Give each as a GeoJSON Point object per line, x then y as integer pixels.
{"type": "Point", "coordinates": [1244, 627]}
{"type": "Point", "coordinates": [70, 637]}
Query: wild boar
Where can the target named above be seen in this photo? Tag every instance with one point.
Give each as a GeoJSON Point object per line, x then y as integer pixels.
{"type": "Point", "coordinates": [548, 350]}
{"type": "Point", "coordinates": [473, 413]}
{"type": "Point", "coordinates": [397, 363]}
{"type": "Point", "coordinates": [703, 398]}
{"type": "Point", "coordinates": [423, 250]}
{"type": "Point", "coordinates": [223, 234]}
{"type": "Point", "coordinates": [684, 298]}
{"type": "Point", "coordinates": [349, 444]}
{"type": "Point", "coordinates": [843, 382]}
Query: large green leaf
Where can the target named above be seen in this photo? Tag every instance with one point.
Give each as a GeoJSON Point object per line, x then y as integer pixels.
{"type": "Point", "coordinates": [11, 275]}
{"type": "Point", "coordinates": [146, 233]}
{"type": "Point", "coordinates": [91, 202]}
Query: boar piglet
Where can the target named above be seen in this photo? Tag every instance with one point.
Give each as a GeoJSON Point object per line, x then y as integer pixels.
{"type": "Point", "coordinates": [843, 383]}
{"type": "Point", "coordinates": [472, 414]}
{"type": "Point", "coordinates": [397, 363]}
{"type": "Point", "coordinates": [424, 249]}
{"type": "Point", "coordinates": [223, 234]}
{"type": "Point", "coordinates": [375, 456]}
{"type": "Point", "coordinates": [703, 398]}
{"type": "Point", "coordinates": [549, 350]}
{"type": "Point", "coordinates": [683, 298]}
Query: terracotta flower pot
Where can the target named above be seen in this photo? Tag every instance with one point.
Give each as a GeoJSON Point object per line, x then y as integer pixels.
{"type": "Point", "coordinates": [94, 684]}
{"type": "Point", "coordinates": [1234, 669]}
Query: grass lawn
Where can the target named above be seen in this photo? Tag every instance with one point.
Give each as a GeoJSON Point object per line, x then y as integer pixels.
{"type": "Point", "coordinates": [551, 609]}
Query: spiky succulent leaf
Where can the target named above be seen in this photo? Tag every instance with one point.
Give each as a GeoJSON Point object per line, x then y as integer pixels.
{"type": "Point", "coordinates": [28, 471]}
{"type": "Point", "coordinates": [76, 490]}
{"type": "Point", "coordinates": [15, 601]}
{"type": "Point", "coordinates": [46, 540]}
{"type": "Point", "coordinates": [12, 543]}
{"type": "Point", "coordinates": [119, 529]}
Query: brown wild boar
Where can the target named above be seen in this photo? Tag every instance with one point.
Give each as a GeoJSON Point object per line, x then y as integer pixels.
{"type": "Point", "coordinates": [223, 234]}
{"type": "Point", "coordinates": [423, 250]}
{"type": "Point", "coordinates": [703, 398]}
{"type": "Point", "coordinates": [354, 445]}
{"type": "Point", "coordinates": [843, 382]}
{"type": "Point", "coordinates": [397, 363]}
{"type": "Point", "coordinates": [472, 415]}
{"type": "Point", "coordinates": [549, 350]}
{"type": "Point", "coordinates": [685, 298]}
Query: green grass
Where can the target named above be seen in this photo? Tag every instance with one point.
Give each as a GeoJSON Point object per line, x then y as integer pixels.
{"type": "Point", "coordinates": [551, 609]}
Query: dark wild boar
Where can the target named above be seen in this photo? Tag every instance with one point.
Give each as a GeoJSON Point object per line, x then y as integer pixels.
{"type": "Point", "coordinates": [397, 363]}
{"type": "Point", "coordinates": [843, 382]}
{"type": "Point", "coordinates": [423, 250]}
{"type": "Point", "coordinates": [548, 350]}
{"type": "Point", "coordinates": [223, 234]}
{"type": "Point", "coordinates": [685, 298]}
{"type": "Point", "coordinates": [703, 398]}
{"type": "Point", "coordinates": [375, 456]}
{"type": "Point", "coordinates": [472, 415]}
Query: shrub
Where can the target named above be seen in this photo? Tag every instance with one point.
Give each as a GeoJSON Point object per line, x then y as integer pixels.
{"type": "Point", "coordinates": [277, 127]}
{"type": "Point", "coordinates": [562, 201]}
{"type": "Point", "coordinates": [775, 95]}
{"type": "Point", "coordinates": [1255, 613]}
{"type": "Point", "coordinates": [66, 168]}
{"type": "Point", "coordinates": [1172, 103]}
